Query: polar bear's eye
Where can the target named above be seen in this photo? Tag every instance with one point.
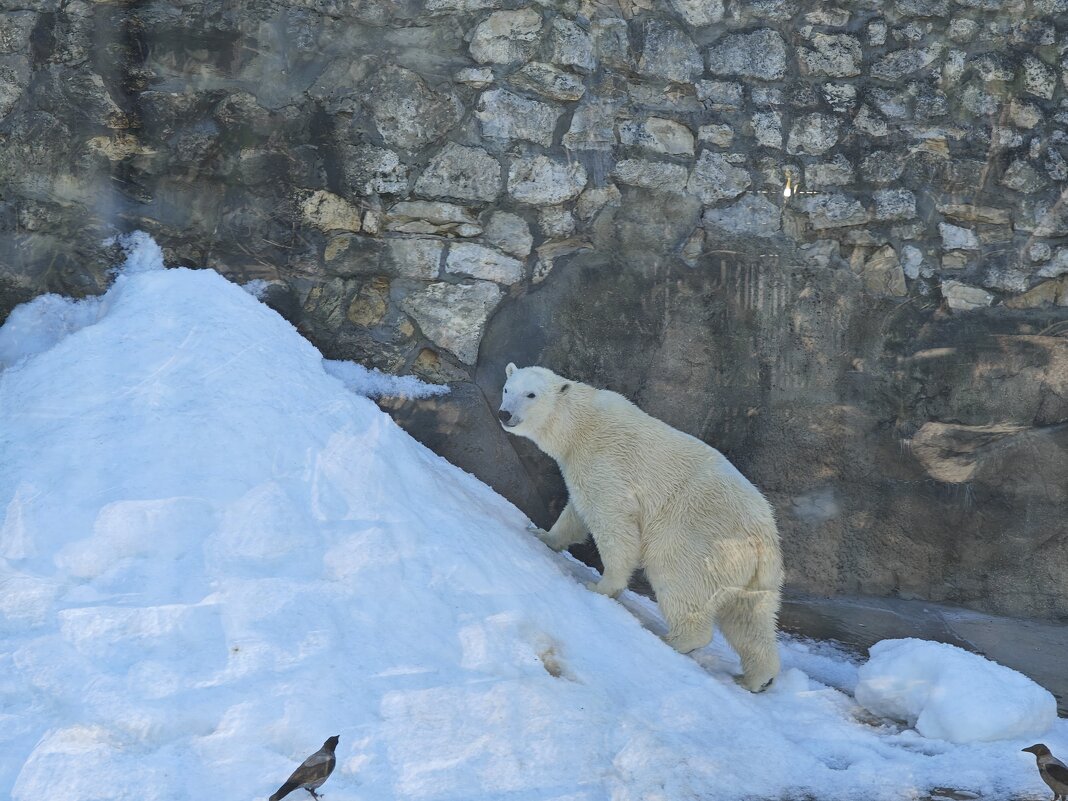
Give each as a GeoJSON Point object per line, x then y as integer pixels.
{"type": "Point", "coordinates": [531, 395]}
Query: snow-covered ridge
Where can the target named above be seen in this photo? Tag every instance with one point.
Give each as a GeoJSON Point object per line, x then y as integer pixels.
{"type": "Point", "coordinates": [34, 327]}
{"type": "Point", "coordinates": [213, 555]}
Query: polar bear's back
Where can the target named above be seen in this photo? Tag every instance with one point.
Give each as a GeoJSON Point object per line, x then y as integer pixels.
{"type": "Point", "coordinates": [664, 468]}
{"type": "Point", "coordinates": [651, 443]}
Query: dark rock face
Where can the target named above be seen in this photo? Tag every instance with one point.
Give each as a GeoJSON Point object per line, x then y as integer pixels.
{"type": "Point", "coordinates": [831, 241]}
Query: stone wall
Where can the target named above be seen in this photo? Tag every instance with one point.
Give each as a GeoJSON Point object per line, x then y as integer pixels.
{"type": "Point", "coordinates": [829, 239]}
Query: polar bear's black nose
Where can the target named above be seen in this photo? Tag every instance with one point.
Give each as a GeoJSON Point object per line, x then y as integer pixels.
{"type": "Point", "coordinates": [505, 415]}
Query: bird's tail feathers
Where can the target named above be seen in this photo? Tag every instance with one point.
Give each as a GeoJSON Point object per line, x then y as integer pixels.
{"type": "Point", "coordinates": [283, 791]}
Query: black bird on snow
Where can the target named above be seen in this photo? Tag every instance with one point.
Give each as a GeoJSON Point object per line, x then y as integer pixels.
{"type": "Point", "coordinates": [1052, 770]}
{"type": "Point", "coordinates": [315, 770]}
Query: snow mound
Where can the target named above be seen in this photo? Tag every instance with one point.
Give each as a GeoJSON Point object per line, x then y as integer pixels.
{"type": "Point", "coordinates": [140, 252]}
{"type": "Point", "coordinates": [213, 556]}
{"type": "Point", "coordinates": [947, 693]}
{"type": "Point", "coordinates": [37, 326]}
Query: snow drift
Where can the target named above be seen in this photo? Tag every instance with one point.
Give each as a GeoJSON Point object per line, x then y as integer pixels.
{"type": "Point", "coordinates": [947, 693]}
{"type": "Point", "coordinates": [213, 556]}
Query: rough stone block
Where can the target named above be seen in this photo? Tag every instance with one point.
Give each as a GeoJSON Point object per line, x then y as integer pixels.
{"type": "Point", "coordinates": [328, 212]}
{"type": "Point", "coordinates": [962, 297]}
{"type": "Point", "coordinates": [415, 258]}
{"type": "Point", "coordinates": [478, 261]}
{"type": "Point", "coordinates": [715, 177]}
{"type": "Point", "coordinates": [956, 238]}
{"type": "Point", "coordinates": [834, 55]}
{"type": "Point", "coordinates": [505, 37]}
{"type": "Point", "coordinates": [406, 112]}
{"type": "Point", "coordinates": [571, 46]}
{"type": "Point", "coordinates": [506, 116]}
{"type": "Point", "coordinates": [752, 215]}
{"type": "Point", "coordinates": [699, 13]}
{"type": "Point", "coordinates": [464, 173]}
{"type": "Point", "coordinates": [760, 54]}
{"type": "Point", "coordinates": [894, 204]}
{"type": "Point", "coordinates": [510, 233]}
{"type": "Point", "coordinates": [668, 53]}
{"type": "Point", "coordinates": [813, 134]}
{"type": "Point", "coordinates": [453, 316]}
{"type": "Point", "coordinates": [658, 135]}
{"type": "Point", "coordinates": [656, 175]}
{"type": "Point", "coordinates": [548, 80]}
{"type": "Point", "coordinates": [834, 211]}
{"type": "Point", "coordinates": [543, 181]}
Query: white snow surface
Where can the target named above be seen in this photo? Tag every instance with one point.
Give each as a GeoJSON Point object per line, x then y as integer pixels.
{"type": "Point", "coordinates": [257, 287]}
{"type": "Point", "coordinates": [36, 326]}
{"type": "Point", "coordinates": [376, 384]}
{"type": "Point", "coordinates": [947, 693]}
{"type": "Point", "coordinates": [213, 556]}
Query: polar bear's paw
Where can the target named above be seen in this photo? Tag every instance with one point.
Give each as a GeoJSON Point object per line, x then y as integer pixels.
{"type": "Point", "coordinates": [755, 684]}
{"type": "Point", "coordinates": [685, 642]}
{"type": "Point", "coordinates": [544, 536]}
{"type": "Point", "coordinates": [537, 531]}
{"type": "Point", "coordinates": [604, 589]}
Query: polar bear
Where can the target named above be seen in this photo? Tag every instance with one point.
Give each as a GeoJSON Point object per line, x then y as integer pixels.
{"type": "Point", "coordinates": [657, 498]}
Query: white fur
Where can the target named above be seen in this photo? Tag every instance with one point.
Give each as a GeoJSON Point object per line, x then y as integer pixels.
{"type": "Point", "coordinates": [657, 498]}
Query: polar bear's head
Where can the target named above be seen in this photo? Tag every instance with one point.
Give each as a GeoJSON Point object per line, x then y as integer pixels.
{"type": "Point", "coordinates": [529, 398]}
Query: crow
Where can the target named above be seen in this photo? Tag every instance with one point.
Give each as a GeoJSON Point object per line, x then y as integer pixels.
{"type": "Point", "coordinates": [315, 770]}
{"type": "Point", "coordinates": [1052, 770]}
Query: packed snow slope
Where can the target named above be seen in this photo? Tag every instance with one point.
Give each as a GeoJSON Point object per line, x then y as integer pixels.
{"type": "Point", "coordinates": [215, 556]}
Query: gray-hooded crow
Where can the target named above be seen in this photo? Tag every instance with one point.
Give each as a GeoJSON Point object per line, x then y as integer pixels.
{"type": "Point", "coordinates": [1052, 770]}
{"type": "Point", "coordinates": [315, 770]}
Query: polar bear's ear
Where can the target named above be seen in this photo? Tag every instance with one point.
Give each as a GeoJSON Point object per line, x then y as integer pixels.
{"type": "Point", "coordinates": [509, 370]}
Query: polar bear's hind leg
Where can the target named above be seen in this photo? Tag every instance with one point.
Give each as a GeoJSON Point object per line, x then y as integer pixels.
{"type": "Point", "coordinates": [689, 625]}
{"type": "Point", "coordinates": [747, 620]}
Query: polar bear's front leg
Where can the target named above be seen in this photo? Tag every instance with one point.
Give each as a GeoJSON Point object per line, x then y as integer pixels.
{"type": "Point", "coordinates": [567, 530]}
{"type": "Point", "coordinates": [619, 545]}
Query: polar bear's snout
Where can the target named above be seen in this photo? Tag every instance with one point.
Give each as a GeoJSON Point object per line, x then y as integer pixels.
{"type": "Point", "coordinates": [515, 397]}
{"type": "Point", "coordinates": [510, 417]}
